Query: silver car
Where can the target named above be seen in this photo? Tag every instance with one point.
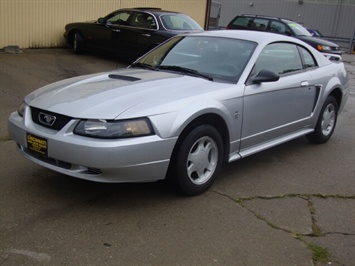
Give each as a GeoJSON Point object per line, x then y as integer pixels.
{"type": "Point", "coordinates": [183, 109]}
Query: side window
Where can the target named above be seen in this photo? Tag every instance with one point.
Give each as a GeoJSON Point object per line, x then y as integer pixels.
{"type": "Point", "coordinates": [120, 18]}
{"type": "Point", "coordinates": [281, 58]}
{"type": "Point", "coordinates": [277, 27]}
{"type": "Point", "coordinates": [143, 20]}
{"type": "Point", "coordinates": [242, 21]}
{"type": "Point", "coordinates": [251, 23]}
{"type": "Point", "coordinates": [307, 58]}
{"type": "Point", "coordinates": [152, 23]}
{"type": "Point", "coordinates": [260, 24]}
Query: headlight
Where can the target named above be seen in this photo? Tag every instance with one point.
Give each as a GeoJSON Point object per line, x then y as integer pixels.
{"type": "Point", "coordinates": [110, 129]}
{"type": "Point", "coordinates": [21, 109]}
{"type": "Point", "coordinates": [323, 48]}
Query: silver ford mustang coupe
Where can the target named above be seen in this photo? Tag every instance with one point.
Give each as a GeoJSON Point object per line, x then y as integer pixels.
{"type": "Point", "coordinates": [180, 111]}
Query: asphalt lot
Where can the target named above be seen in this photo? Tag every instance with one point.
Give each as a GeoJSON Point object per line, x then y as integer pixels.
{"type": "Point", "coordinates": [284, 206]}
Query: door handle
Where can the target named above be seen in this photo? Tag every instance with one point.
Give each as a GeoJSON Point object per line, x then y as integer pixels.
{"type": "Point", "coordinates": [304, 83]}
{"type": "Point", "coordinates": [146, 35]}
{"type": "Point", "coordinates": [116, 30]}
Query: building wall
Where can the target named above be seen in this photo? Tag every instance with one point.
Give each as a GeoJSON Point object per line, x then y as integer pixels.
{"type": "Point", "coordinates": [331, 17]}
{"type": "Point", "coordinates": [40, 23]}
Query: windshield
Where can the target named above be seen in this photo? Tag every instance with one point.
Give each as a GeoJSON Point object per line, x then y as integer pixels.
{"type": "Point", "coordinates": [298, 29]}
{"type": "Point", "coordinates": [213, 57]}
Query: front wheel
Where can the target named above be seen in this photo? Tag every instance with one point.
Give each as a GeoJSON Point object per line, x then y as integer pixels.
{"type": "Point", "coordinates": [326, 122]}
{"type": "Point", "coordinates": [78, 43]}
{"type": "Point", "coordinates": [198, 160]}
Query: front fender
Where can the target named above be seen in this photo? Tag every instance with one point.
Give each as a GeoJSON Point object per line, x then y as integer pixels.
{"type": "Point", "coordinates": [172, 124]}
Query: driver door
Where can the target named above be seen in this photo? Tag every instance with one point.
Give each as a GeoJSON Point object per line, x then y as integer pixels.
{"type": "Point", "coordinates": [275, 109]}
{"type": "Point", "coordinates": [108, 34]}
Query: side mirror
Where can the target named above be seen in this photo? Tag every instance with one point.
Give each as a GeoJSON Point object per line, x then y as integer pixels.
{"type": "Point", "coordinates": [101, 21]}
{"type": "Point", "coordinates": [265, 76]}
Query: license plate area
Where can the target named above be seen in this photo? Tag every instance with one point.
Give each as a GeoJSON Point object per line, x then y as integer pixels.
{"type": "Point", "coordinates": [37, 144]}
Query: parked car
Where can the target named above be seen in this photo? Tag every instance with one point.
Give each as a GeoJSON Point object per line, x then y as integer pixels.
{"type": "Point", "coordinates": [315, 33]}
{"type": "Point", "coordinates": [286, 27]}
{"type": "Point", "coordinates": [129, 32]}
{"type": "Point", "coordinates": [182, 109]}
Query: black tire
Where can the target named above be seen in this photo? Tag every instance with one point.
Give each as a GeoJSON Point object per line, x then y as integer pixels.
{"type": "Point", "coordinates": [326, 122]}
{"type": "Point", "coordinates": [197, 160]}
{"type": "Point", "coordinates": [78, 43]}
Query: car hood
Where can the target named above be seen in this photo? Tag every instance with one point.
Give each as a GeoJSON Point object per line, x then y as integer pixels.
{"type": "Point", "coordinates": [124, 93]}
{"type": "Point", "coordinates": [316, 40]}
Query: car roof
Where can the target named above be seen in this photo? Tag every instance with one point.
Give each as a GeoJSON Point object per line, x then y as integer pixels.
{"type": "Point", "coordinates": [262, 38]}
{"type": "Point", "coordinates": [266, 17]}
{"type": "Point", "coordinates": [249, 35]}
{"type": "Point", "coordinates": [154, 10]}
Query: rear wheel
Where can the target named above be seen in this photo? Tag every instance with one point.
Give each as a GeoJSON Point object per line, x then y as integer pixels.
{"type": "Point", "coordinates": [198, 160]}
{"type": "Point", "coordinates": [78, 43]}
{"type": "Point", "coordinates": [326, 122]}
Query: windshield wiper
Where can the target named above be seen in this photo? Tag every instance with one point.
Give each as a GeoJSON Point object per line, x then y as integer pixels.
{"type": "Point", "coordinates": [185, 70]}
{"type": "Point", "coordinates": [143, 65]}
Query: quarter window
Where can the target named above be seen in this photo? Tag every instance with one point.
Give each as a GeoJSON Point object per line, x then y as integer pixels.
{"type": "Point", "coordinates": [307, 58]}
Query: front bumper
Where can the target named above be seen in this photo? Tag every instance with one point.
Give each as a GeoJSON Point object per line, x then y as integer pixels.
{"type": "Point", "coordinates": [141, 159]}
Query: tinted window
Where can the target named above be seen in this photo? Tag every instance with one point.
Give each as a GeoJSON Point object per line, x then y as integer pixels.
{"type": "Point", "coordinates": [260, 24]}
{"type": "Point", "coordinates": [120, 18]}
{"type": "Point", "coordinates": [179, 22]}
{"type": "Point", "coordinates": [143, 20]}
{"type": "Point", "coordinates": [278, 27]}
{"type": "Point", "coordinates": [250, 23]}
{"type": "Point", "coordinates": [281, 58]}
{"type": "Point", "coordinates": [242, 21]}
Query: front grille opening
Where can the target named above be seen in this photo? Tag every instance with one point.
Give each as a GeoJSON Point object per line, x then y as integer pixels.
{"type": "Point", "coordinates": [59, 123]}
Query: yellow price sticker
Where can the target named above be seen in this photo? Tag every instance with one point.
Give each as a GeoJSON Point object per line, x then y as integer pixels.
{"type": "Point", "coordinates": [37, 144]}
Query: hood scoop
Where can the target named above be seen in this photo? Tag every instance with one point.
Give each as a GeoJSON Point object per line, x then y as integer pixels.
{"type": "Point", "coordinates": [121, 77]}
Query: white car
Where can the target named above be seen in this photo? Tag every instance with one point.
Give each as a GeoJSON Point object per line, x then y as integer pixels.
{"type": "Point", "coordinates": [181, 110]}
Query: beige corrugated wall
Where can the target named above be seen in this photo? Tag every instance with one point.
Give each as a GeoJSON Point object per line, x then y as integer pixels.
{"type": "Point", "coordinates": [40, 23]}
